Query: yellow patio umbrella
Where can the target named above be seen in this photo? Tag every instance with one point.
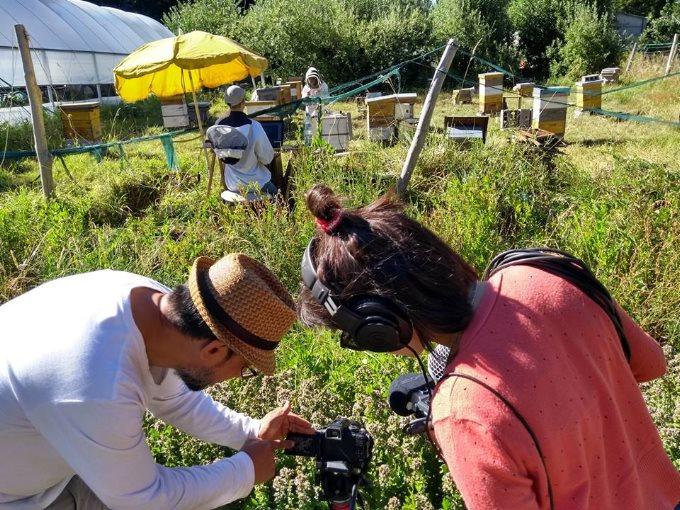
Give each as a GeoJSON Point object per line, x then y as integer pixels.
{"type": "Point", "coordinates": [186, 63]}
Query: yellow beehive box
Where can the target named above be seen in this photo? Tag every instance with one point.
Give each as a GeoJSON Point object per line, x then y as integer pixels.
{"type": "Point", "coordinates": [550, 109]}
{"type": "Point", "coordinates": [383, 111]}
{"type": "Point", "coordinates": [525, 89]}
{"type": "Point", "coordinates": [286, 93]}
{"type": "Point", "coordinates": [588, 94]}
{"type": "Point", "coordinates": [81, 121]}
{"type": "Point", "coordinates": [490, 92]}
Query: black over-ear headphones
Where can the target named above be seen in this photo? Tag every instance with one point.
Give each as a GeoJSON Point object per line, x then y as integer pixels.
{"type": "Point", "coordinates": [368, 322]}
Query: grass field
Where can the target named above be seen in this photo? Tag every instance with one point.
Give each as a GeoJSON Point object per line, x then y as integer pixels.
{"type": "Point", "coordinates": [611, 197]}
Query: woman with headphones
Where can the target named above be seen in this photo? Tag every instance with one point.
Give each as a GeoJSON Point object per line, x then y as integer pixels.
{"type": "Point", "coordinates": [539, 407]}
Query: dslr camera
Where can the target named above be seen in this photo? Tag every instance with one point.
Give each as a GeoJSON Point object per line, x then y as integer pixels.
{"type": "Point", "coordinates": [343, 451]}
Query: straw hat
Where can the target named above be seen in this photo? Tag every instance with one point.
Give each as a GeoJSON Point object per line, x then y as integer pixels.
{"type": "Point", "coordinates": [244, 304]}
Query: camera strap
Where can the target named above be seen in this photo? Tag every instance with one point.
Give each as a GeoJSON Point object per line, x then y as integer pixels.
{"type": "Point", "coordinates": [569, 268]}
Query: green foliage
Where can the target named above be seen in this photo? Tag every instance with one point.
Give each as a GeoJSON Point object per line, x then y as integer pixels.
{"type": "Point", "coordinates": [465, 23]}
{"type": "Point", "coordinates": [591, 42]}
{"type": "Point", "coordinates": [367, 10]}
{"type": "Point", "coordinates": [648, 8]}
{"type": "Point", "coordinates": [538, 24]}
{"type": "Point", "coordinates": [662, 28]}
{"type": "Point", "coordinates": [214, 16]}
{"type": "Point", "coordinates": [395, 36]}
{"type": "Point", "coordinates": [296, 34]}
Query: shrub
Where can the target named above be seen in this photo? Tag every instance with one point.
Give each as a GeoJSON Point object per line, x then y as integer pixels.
{"type": "Point", "coordinates": [367, 10]}
{"type": "Point", "coordinates": [473, 24]}
{"type": "Point", "coordinates": [395, 36]}
{"type": "Point", "coordinates": [537, 25]}
{"type": "Point", "coordinates": [591, 42]}
{"type": "Point", "coordinates": [214, 16]}
{"type": "Point", "coordinates": [661, 29]}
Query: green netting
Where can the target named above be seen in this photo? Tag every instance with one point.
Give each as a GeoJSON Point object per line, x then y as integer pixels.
{"type": "Point", "coordinates": [640, 83]}
{"type": "Point", "coordinates": [98, 150]}
{"type": "Point", "coordinates": [493, 66]}
{"type": "Point", "coordinates": [636, 118]}
{"type": "Point", "coordinates": [344, 86]}
{"type": "Point", "coordinates": [290, 108]}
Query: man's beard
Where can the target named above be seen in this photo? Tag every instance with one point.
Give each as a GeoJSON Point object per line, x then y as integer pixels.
{"type": "Point", "coordinates": [196, 379]}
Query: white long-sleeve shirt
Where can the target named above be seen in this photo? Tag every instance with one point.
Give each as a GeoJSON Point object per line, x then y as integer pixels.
{"type": "Point", "coordinates": [75, 383]}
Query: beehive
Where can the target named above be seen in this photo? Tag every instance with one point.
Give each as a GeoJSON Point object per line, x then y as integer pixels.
{"type": "Point", "coordinates": [175, 112]}
{"type": "Point", "coordinates": [550, 109]}
{"type": "Point", "coordinates": [382, 134]}
{"type": "Point", "coordinates": [610, 74]}
{"type": "Point", "coordinates": [253, 107]}
{"type": "Point", "coordinates": [295, 89]}
{"type": "Point", "coordinates": [286, 93]}
{"type": "Point", "coordinates": [589, 93]}
{"type": "Point", "coordinates": [81, 121]}
{"type": "Point", "coordinates": [336, 129]}
{"type": "Point", "coordinates": [384, 110]}
{"type": "Point", "coordinates": [525, 89]}
{"type": "Point", "coordinates": [270, 94]}
{"type": "Point", "coordinates": [520, 118]}
{"type": "Point", "coordinates": [463, 96]}
{"type": "Point", "coordinates": [490, 92]}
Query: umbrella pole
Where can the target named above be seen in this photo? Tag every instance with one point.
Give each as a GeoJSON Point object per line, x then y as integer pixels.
{"type": "Point", "coordinates": [208, 166]}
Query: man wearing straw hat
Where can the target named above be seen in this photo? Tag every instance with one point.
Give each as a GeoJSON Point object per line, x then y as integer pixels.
{"type": "Point", "coordinates": [82, 359]}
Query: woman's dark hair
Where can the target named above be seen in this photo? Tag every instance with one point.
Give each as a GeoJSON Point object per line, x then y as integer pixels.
{"type": "Point", "coordinates": [377, 249]}
{"type": "Point", "coordinates": [185, 316]}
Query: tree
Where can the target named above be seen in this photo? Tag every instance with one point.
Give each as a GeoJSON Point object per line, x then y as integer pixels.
{"type": "Point", "coordinates": [662, 28]}
{"type": "Point", "coordinates": [219, 17]}
{"type": "Point", "coordinates": [591, 42]}
{"type": "Point", "coordinates": [649, 8]}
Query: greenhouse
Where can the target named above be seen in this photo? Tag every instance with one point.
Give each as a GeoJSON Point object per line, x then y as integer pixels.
{"type": "Point", "coordinates": [75, 45]}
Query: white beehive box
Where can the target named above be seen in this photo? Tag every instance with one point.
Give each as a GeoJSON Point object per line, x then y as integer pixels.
{"type": "Point", "coordinates": [175, 114]}
{"type": "Point", "coordinates": [381, 134]}
{"type": "Point", "coordinates": [403, 111]}
{"type": "Point", "coordinates": [336, 129]}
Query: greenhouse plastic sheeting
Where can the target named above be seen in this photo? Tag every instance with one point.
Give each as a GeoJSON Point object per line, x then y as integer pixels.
{"type": "Point", "coordinates": [75, 42]}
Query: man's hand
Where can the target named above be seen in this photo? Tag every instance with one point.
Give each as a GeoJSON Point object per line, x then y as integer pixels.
{"type": "Point", "coordinates": [278, 423]}
{"type": "Point", "coordinates": [262, 455]}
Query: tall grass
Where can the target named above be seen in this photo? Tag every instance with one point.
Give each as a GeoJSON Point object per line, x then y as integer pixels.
{"type": "Point", "coordinates": [611, 197]}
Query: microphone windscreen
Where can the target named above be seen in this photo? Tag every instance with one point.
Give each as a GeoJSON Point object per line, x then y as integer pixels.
{"type": "Point", "coordinates": [437, 361]}
{"type": "Point", "coordinates": [401, 390]}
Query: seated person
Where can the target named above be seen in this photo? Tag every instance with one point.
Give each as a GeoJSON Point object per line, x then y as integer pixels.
{"type": "Point", "coordinates": [249, 169]}
{"type": "Point", "coordinates": [314, 87]}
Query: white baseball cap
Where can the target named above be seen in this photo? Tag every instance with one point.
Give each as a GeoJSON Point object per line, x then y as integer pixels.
{"type": "Point", "coordinates": [234, 95]}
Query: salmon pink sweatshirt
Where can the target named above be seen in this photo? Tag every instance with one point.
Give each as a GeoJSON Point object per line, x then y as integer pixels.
{"type": "Point", "coordinates": [556, 357]}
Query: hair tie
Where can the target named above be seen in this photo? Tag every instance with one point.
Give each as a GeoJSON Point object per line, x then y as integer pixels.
{"type": "Point", "coordinates": [329, 226]}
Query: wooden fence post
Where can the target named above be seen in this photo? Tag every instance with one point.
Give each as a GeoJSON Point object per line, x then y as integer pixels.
{"type": "Point", "coordinates": [630, 57]}
{"type": "Point", "coordinates": [35, 102]}
{"type": "Point", "coordinates": [671, 55]}
{"type": "Point", "coordinates": [425, 116]}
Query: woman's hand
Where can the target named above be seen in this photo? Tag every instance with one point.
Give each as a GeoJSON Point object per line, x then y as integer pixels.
{"type": "Point", "coordinates": [278, 423]}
